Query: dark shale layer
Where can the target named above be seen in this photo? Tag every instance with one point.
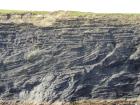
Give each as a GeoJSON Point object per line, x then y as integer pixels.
{"type": "Point", "coordinates": [73, 58]}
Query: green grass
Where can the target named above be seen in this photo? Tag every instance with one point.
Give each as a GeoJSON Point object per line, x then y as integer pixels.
{"type": "Point", "coordinates": [78, 13]}
{"type": "Point", "coordinates": [69, 13]}
{"type": "Point", "coordinates": [21, 12]}
{"type": "Point", "coordinates": [49, 18]}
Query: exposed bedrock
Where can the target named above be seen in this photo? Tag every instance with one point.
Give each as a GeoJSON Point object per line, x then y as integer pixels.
{"type": "Point", "coordinates": [72, 59]}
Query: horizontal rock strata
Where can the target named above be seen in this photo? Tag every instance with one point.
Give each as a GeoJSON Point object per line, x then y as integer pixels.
{"type": "Point", "coordinates": [71, 59]}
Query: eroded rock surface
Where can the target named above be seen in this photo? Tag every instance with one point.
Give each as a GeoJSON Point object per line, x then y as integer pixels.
{"type": "Point", "coordinates": [72, 59]}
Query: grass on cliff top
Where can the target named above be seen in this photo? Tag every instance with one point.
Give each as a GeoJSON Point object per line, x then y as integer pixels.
{"type": "Point", "coordinates": [70, 13]}
{"type": "Point", "coordinates": [3, 12]}
{"type": "Point", "coordinates": [50, 17]}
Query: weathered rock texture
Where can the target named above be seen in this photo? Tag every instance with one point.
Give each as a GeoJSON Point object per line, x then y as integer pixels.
{"type": "Point", "coordinates": [72, 59]}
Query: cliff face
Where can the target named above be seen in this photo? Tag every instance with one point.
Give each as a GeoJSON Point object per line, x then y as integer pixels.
{"type": "Point", "coordinates": [72, 59]}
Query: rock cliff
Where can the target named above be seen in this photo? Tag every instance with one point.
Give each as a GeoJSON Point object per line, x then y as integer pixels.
{"type": "Point", "coordinates": [70, 59]}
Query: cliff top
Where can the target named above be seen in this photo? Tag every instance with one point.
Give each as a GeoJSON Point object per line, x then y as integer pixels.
{"type": "Point", "coordinates": [45, 18]}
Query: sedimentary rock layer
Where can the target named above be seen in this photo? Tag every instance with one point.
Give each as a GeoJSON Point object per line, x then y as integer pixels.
{"type": "Point", "coordinates": [71, 59]}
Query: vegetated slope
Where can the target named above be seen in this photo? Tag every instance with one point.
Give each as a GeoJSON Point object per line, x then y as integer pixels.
{"type": "Point", "coordinates": [72, 59]}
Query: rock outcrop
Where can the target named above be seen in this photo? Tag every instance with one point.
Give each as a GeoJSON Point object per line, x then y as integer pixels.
{"type": "Point", "coordinates": [71, 59]}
